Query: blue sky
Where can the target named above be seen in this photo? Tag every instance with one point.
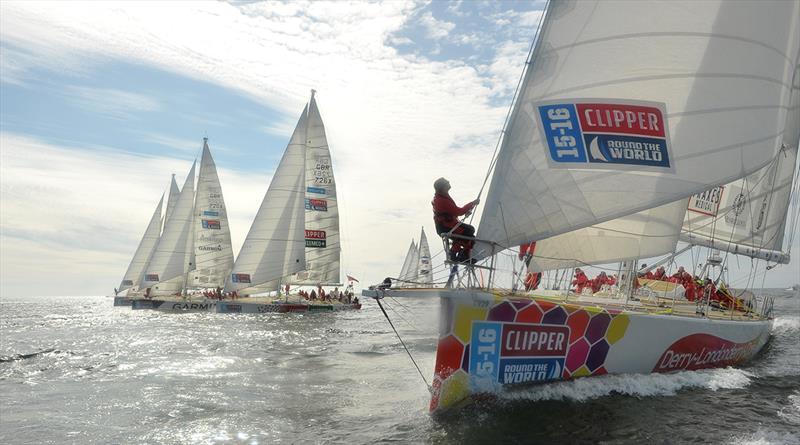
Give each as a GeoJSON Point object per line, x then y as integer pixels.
{"type": "Point", "coordinates": [101, 102]}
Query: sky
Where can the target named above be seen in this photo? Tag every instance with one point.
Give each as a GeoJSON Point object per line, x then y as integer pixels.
{"type": "Point", "coordinates": [100, 102]}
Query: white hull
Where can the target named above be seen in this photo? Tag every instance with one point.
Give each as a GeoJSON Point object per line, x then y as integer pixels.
{"type": "Point", "coordinates": [263, 307]}
{"type": "Point", "coordinates": [175, 305]}
{"type": "Point", "coordinates": [490, 343]}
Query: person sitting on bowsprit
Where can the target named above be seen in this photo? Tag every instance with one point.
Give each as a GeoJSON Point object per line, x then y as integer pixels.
{"type": "Point", "coordinates": [445, 217]}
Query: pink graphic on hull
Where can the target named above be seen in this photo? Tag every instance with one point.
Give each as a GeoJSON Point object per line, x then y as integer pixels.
{"type": "Point", "coordinates": [700, 351]}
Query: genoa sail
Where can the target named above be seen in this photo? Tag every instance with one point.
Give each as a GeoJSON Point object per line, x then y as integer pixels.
{"type": "Point", "coordinates": [133, 276]}
{"type": "Point", "coordinates": [748, 216]}
{"type": "Point", "coordinates": [169, 264]}
{"type": "Point", "coordinates": [275, 245]}
{"type": "Point", "coordinates": [684, 98]}
{"type": "Point", "coordinates": [424, 268]}
{"type": "Point", "coordinates": [321, 207]}
{"type": "Point", "coordinates": [174, 192]}
{"type": "Point", "coordinates": [213, 252]}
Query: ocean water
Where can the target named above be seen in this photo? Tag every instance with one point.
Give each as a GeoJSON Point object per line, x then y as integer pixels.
{"type": "Point", "coordinates": [77, 370]}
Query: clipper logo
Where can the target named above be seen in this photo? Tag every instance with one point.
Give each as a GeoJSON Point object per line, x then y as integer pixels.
{"type": "Point", "coordinates": [316, 238]}
{"type": "Point", "coordinates": [516, 352]}
{"type": "Point", "coordinates": [590, 134]}
{"type": "Point", "coordinates": [240, 277]}
{"type": "Point", "coordinates": [211, 224]}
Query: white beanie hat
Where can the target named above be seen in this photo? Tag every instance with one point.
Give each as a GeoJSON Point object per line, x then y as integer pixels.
{"type": "Point", "coordinates": [440, 184]}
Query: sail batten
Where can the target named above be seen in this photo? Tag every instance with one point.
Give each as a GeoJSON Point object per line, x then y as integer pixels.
{"type": "Point", "coordinates": [685, 97]}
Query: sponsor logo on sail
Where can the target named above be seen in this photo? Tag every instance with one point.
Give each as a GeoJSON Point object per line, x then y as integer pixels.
{"type": "Point", "coordinates": [210, 213]}
{"type": "Point", "coordinates": [707, 202]}
{"type": "Point", "coordinates": [319, 205]}
{"type": "Point", "coordinates": [323, 173]}
{"type": "Point", "coordinates": [317, 190]}
{"type": "Point", "coordinates": [315, 238]}
{"type": "Point", "coordinates": [211, 224]}
{"type": "Point", "coordinates": [585, 133]}
{"type": "Point", "coordinates": [240, 278]}
{"type": "Point", "coordinates": [217, 248]}
{"type": "Point", "coordinates": [151, 277]}
{"type": "Point", "coordinates": [510, 353]}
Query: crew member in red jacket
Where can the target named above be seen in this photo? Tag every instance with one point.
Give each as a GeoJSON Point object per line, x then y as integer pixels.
{"type": "Point", "coordinates": [580, 281]}
{"type": "Point", "coordinates": [445, 216]}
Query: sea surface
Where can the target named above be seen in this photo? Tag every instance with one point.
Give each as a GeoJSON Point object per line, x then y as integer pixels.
{"type": "Point", "coordinates": [77, 370]}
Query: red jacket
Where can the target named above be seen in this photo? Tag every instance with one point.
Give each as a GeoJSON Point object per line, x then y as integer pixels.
{"type": "Point", "coordinates": [446, 212]}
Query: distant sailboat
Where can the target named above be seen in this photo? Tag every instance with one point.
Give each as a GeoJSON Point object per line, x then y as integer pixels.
{"type": "Point", "coordinates": [135, 273]}
{"type": "Point", "coordinates": [194, 253]}
{"type": "Point", "coordinates": [417, 269]}
{"type": "Point", "coordinates": [677, 100]}
{"type": "Point", "coordinates": [294, 238]}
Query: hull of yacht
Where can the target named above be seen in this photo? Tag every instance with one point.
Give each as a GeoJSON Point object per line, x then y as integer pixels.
{"type": "Point", "coordinates": [490, 343]}
{"type": "Point", "coordinates": [175, 305]}
{"type": "Point", "coordinates": [123, 301]}
{"type": "Point", "coordinates": [246, 307]}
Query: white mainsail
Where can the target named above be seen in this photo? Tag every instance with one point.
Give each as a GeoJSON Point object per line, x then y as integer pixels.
{"type": "Point", "coordinates": [212, 237]}
{"type": "Point", "coordinates": [424, 270]}
{"type": "Point", "coordinates": [275, 245]}
{"type": "Point", "coordinates": [166, 272]}
{"type": "Point", "coordinates": [686, 96]}
{"type": "Point", "coordinates": [322, 210]}
{"type": "Point", "coordinates": [133, 276]}
{"type": "Point", "coordinates": [409, 271]}
{"type": "Point", "coordinates": [641, 235]}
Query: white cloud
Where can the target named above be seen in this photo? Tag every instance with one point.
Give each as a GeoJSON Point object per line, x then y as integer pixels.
{"type": "Point", "coordinates": [111, 102]}
{"type": "Point", "coordinates": [435, 29]}
{"type": "Point", "coordinates": [184, 145]}
{"type": "Point", "coordinates": [395, 122]}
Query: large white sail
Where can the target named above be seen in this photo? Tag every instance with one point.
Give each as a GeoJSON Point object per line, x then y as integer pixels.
{"type": "Point", "coordinates": [133, 276]}
{"type": "Point", "coordinates": [174, 192]}
{"type": "Point", "coordinates": [212, 237]}
{"type": "Point", "coordinates": [619, 115]}
{"type": "Point", "coordinates": [275, 245]}
{"type": "Point", "coordinates": [424, 269]}
{"type": "Point", "coordinates": [409, 271]}
{"type": "Point", "coordinates": [166, 272]}
{"type": "Point", "coordinates": [322, 211]}
{"type": "Point", "coordinates": [748, 216]}
{"type": "Point", "coordinates": [641, 235]}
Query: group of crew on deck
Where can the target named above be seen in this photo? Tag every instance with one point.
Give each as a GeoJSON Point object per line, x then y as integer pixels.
{"type": "Point", "coordinates": [695, 288]}
{"type": "Point", "coordinates": [344, 297]}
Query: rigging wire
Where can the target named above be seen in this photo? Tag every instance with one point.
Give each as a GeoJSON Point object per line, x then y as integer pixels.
{"type": "Point", "coordinates": [378, 300]}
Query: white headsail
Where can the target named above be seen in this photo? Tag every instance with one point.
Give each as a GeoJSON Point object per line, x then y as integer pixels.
{"type": "Point", "coordinates": [275, 245]}
{"type": "Point", "coordinates": [748, 216]}
{"type": "Point", "coordinates": [641, 235]}
{"type": "Point", "coordinates": [424, 270]}
{"type": "Point", "coordinates": [322, 211]}
{"type": "Point", "coordinates": [212, 237]}
{"type": "Point", "coordinates": [165, 273]}
{"type": "Point", "coordinates": [133, 276]}
{"type": "Point", "coordinates": [174, 192]}
{"type": "Point", "coordinates": [409, 271]}
{"type": "Point", "coordinates": [686, 96]}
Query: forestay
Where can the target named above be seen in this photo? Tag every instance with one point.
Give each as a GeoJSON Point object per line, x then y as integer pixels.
{"type": "Point", "coordinates": [212, 237]}
{"type": "Point", "coordinates": [275, 245]}
{"type": "Point", "coordinates": [166, 272]}
{"type": "Point", "coordinates": [628, 106]}
{"type": "Point", "coordinates": [321, 207]}
{"type": "Point", "coordinates": [133, 276]}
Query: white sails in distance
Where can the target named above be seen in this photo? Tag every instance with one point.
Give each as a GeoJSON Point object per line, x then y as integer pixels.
{"type": "Point", "coordinates": [417, 270]}
{"type": "Point", "coordinates": [294, 237]}
{"type": "Point", "coordinates": [617, 116]}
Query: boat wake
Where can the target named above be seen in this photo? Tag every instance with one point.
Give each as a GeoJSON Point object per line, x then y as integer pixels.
{"type": "Point", "coordinates": [786, 324]}
{"type": "Point", "coordinates": [638, 385]}
{"type": "Point", "coordinates": [17, 357]}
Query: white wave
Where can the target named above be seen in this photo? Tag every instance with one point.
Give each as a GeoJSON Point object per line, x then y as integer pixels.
{"type": "Point", "coordinates": [785, 324]}
{"type": "Point", "coordinates": [763, 437]}
{"type": "Point", "coordinates": [638, 385]}
{"type": "Point", "coordinates": [791, 412]}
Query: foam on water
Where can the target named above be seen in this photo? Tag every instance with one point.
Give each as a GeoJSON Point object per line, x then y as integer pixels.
{"type": "Point", "coordinates": [638, 385]}
{"type": "Point", "coordinates": [786, 324]}
{"type": "Point", "coordinates": [766, 437]}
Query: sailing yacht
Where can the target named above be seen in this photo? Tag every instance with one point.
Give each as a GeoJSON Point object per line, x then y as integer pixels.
{"type": "Point", "coordinates": [193, 255]}
{"type": "Point", "coordinates": [417, 270]}
{"type": "Point", "coordinates": [294, 239]}
{"type": "Point", "coordinates": [628, 117]}
{"type": "Point", "coordinates": [129, 286]}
